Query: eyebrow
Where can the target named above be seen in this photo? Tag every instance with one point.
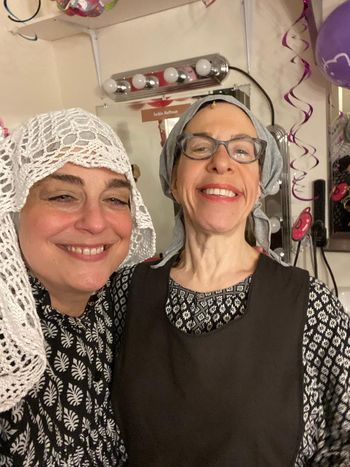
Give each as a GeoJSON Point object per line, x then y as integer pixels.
{"type": "Point", "coordinates": [73, 179]}
{"type": "Point", "coordinates": [240, 135]}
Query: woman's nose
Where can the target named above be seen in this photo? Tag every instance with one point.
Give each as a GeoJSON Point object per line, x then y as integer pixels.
{"type": "Point", "coordinates": [220, 161]}
{"type": "Point", "coordinates": [92, 218]}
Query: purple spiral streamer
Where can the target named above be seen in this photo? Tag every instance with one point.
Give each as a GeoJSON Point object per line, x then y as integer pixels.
{"type": "Point", "coordinates": [307, 151]}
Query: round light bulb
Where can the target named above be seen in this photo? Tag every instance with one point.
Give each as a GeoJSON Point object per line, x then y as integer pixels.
{"type": "Point", "coordinates": [139, 81]}
{"type": "Point", "coordinates": [152, 82]}
{"type": "Point", "coordinates": [203, 67]}
{"type": "Point", "coordinates": [171, 75]}
{"type": "Point", "coordinates": [280, 252]}
{"type": "Point", "coordinates": [123, 87]}
{"type": "Point", "coordinates": [275, 224]}
{"type": "Point", "coordinates": [110, 86]}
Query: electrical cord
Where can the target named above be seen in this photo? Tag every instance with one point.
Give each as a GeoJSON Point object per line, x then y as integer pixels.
{"type": "Point", "coordinates": [319, 240]}
{"type": "Point", "coordinates": [297, 254]}
{"type": "Point", "coordinates": [314, 254]}
{"type": "Point", "coordinates": [330, 271]}
{"type": "Point", "coordinates": [29, 38]}
{"type": "Point", "coordinates": [14, 18]}
{"type": "Point", "coordinates": [261, 89]}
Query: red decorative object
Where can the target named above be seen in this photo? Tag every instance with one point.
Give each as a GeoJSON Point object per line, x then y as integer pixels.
{"type": "Point", "coordinates": [339, 191]}
{"type": "Point", "coordinates": [159, 102]}
{"type": "Point", "coordinates": [85, 8]}
{"type": "Point", "coordinates": [3, 130]}
{"type": "Point", "coordinates": [302, 225]}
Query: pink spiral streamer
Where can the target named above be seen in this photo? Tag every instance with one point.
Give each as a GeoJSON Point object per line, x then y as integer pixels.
{"type": "Point", "coordinates": [208, 2]}
{"type": "Point", "coordinates": [308, 152]}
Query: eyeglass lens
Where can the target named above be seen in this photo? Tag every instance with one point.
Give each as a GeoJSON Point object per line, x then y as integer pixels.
{"type": "Point", "coordinates": [200, 147]}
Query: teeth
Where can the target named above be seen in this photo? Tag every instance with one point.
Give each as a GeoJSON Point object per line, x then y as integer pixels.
{"type": "Point", "coordinates": [219, 192]}
{"type": "Point", "coordinates": [86, 251]}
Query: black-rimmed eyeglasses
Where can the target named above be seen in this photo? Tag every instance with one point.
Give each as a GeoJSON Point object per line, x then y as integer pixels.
{"type": "Point", "coordinates": [242, 149]}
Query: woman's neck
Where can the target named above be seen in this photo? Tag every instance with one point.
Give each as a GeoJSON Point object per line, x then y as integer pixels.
{"type": "Point", "coordinates": [64, 300]}
{"type": "Point", "coordinates": [213, 262]}
{"type": "Point", "coordinates": [71, 306]}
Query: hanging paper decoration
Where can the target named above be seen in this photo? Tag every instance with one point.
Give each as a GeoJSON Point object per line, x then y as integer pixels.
{"type": "Point", "coordinates": [333, 46]}
{"type": "Point", "coordinates": [85, 8]}
{"type": "Point", "coordinates": [307, 160]}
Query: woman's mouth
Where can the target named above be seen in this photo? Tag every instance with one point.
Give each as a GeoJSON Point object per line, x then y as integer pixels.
{"type": "Point", "coordinates": [86, 251]}
{"type": "Point", "coordinates": [219, 192]}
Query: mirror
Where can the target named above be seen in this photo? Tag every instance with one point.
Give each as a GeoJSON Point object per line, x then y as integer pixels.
{"type": "Point", "coordinates": [143, 126]}
{"type": "Point", "coordinates": [339, 169]}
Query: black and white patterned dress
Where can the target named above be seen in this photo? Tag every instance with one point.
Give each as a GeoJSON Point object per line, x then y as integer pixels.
{"type": "Point", "coordinates": [67, 418]}
{"type": "Point", "coordinates": [326, 357]}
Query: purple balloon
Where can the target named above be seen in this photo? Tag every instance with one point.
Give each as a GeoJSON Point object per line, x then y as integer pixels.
{"type": "Point", "coordinates": [333, 46]}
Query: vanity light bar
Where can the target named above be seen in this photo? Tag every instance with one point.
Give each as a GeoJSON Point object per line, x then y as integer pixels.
{"type": "Point", "coordinates": [192, 73]}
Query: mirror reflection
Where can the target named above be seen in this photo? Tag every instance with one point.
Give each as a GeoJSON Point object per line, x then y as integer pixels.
{"type": "Point", "coordinates": [339, 151]}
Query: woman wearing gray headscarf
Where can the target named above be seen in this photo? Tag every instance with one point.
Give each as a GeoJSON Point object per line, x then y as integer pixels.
{"type": "Point", "coordinates": [229, 358]}
{"type": "Point", "coordinates": [70, 214]}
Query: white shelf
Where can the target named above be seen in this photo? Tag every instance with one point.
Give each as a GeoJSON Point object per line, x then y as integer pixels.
{"type": "Point", "coordinates": [57, 26]}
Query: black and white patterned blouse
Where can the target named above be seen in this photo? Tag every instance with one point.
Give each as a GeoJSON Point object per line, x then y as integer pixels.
{"type": "Point", "coordinates": [326, 357]}
{"type": "Point", "coordinates": [67, 418]}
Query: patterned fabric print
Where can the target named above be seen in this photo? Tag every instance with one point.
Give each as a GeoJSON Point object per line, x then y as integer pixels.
{"type": "Point", "coordinates": [326, 353]}
{"type": "Point", "coordinates": [67, 418]}
{"type": "Point", "coordinates": [326, 358]}
{"type": "Point", "coordinates": [202, 312]}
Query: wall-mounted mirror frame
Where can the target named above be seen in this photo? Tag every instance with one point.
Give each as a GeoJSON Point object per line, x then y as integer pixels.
{"type": "Point", "coordinates": [339, 168]}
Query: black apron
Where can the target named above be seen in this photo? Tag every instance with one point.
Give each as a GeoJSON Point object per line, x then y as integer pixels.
{"type": "Point", "coordinates": [232, 397]}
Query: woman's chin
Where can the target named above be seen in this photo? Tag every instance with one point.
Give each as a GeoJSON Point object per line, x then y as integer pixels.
{"type": "Point", "coordinates": [91, 284]}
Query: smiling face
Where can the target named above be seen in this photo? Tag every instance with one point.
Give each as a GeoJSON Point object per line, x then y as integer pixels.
{"type": "Point", "coordinates": [217, 194]}
{"type": "Point", "coordinates": [74, 230]}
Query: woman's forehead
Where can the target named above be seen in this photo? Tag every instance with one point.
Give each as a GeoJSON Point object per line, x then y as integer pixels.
{"type": "Point", "coordinates": [71, 172]}
{"type": "Point", "coordinates": [221, 113]}
{"type": "Point", "coordinates": [69, 167]}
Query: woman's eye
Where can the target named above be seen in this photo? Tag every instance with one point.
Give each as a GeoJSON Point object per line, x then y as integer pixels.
{"type": "Point", "coordinates": [199, 149]}
{"type": "Point", "coordinates": [243, 153]}
{"type": "Point", "coordinates": [61, 198]}
{"type": "Point", "coordinates": [117, 201]}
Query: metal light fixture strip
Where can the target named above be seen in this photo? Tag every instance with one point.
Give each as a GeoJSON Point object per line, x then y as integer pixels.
{"type": "Point", "coordinates": [220, 70]}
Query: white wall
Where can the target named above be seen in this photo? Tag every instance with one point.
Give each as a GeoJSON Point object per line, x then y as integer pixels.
{"type": "Point", "coordinates": [28, 72]}
{"type": "Point", "coordinates": [194, 30]}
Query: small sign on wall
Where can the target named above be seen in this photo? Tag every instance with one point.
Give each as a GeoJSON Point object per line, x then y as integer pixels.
{"type": "Point", "coordinates": [162, 113]}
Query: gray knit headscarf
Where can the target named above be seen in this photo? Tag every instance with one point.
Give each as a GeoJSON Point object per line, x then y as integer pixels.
{"type": "Point", "coordinates": [270, 174]}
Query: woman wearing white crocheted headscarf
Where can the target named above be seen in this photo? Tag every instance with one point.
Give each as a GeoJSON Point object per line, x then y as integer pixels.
{"type": "Point", "coordinates": [67, 184]}
{"type": "Point", "coordinates": [229, 358]}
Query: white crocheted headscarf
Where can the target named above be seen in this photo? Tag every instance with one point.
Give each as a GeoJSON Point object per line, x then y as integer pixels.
{"type": "Point", "coordinates": [33, 151]}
